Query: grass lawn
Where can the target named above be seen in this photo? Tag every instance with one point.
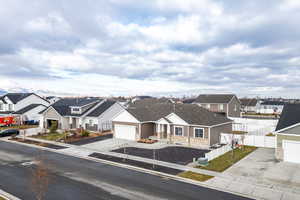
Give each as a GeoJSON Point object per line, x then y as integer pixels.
{"type": "Point", "coordinates": [225, 161]}
{"type": "Point", "coordinates": [19, 127]}
{"type": "Point", "coordinates": [51, 136]}
{"type": "Point", "coordinates": [270, 134]}
{"type": "Point", "coordinates": [195, 176]}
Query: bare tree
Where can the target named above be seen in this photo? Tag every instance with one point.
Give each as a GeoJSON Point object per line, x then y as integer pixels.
{"type": "Point", "coordinates": [40, 178]}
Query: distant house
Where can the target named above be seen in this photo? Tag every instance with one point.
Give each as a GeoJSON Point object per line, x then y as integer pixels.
{"type": "Point", "coordinates": [288, 134]}
{"type": "Point", "coordinates": [52, 99]}
{"type": "Point", "coordinates": [24, 105]}
{"type": "Point", "coordinates": [89, 113]}
{"type": "Point", "coordinates": [249, 105]}
{"type": "Point", "coordinates": [270, 107]}
{"type": "Point", "coordinates": [178, 123]}
{"type": "Point", "coordinates": [227, 104]}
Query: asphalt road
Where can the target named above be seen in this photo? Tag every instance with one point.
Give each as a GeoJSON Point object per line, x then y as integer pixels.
{"type": "Point", "coordinates": [78, 179]}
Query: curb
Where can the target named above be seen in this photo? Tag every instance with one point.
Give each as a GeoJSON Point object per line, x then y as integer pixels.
{"type": "Point", "coordinates": [8, 196]}
{"type": "Point", "coordinates": [139, 169]}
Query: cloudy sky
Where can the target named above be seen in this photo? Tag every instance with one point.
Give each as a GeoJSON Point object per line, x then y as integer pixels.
{"type": "Point", "coordinates": [155, 47]}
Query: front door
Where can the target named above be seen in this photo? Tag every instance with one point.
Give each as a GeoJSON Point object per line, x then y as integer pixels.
{"type": "Point", "coordinates": [74, 123]}
{"type": "Point", "coordinates": [165, 131]}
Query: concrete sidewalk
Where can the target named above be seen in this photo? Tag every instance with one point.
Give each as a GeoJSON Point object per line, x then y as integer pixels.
{"type": "Point", "coordinates": [220, 181]}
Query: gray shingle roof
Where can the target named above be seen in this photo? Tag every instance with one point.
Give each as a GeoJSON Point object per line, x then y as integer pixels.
{"type": "Point", "coordinates": [27, 108]}
{"type": "Point", "coordinates": [63, 105]}
{"type": "Point", "coordinates": [277, 103]}
{"type": "Point", "coordinates": [101, 108]}
{"type": "Point", "coordinates": [248, 102]}
{"type": "Point", "coordinates": [191, 113]}
{"type": "Point", "coordinates": [214, 98]}
{"type": "Point", "coordinates": [290, 115]}
{"type": "Point", "coordinates": [16, 97]}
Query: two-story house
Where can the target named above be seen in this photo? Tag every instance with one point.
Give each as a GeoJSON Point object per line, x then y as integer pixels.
{"type": "Point", "coordinates": [227, 104]}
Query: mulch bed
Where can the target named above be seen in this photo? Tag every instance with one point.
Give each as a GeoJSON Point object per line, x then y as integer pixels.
{"type": "Point", "coordinates": [178, 155]}
{"type": "Point", "coordinates": [51, 146]}
{"type": "Point", "coordinates": [87, 140]}
{"type": "Point", "coordinates": [140, 164]}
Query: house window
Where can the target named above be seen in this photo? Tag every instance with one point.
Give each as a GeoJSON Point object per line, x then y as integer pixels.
{"type": "Point", "coordinates": [221, 107]}
{"type": "Point", "coordinates": [10, 107]}
{"type": "Point", "coordinates": [199, 132]}
{"type": "Point", "coordinates": [208, 106]}
{"type": "Point", "coordinates": [1, 106]}
{"type": "Point", "coordinates": [235, 107]}
{"type": "Point", "coordinates": [178, 131]}
{"type": "Point", "coordinates": [91, 122]}
{"type": "Point", "coordinates": [76, 109]}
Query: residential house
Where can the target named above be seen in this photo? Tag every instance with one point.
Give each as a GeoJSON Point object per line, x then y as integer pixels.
{"type": "Point", "coordinates": [270, 107]}
{"type": "Point", "coordinates": [73, 113]}
{"type": "Point", "coordinates": [16, 103]}
{"type": "Point", "coordinates": [288, 134]}
{"type": "Point", "coordinates": [52, 99]}
{"type": "Point", "coordinates": [30, 113]}
{"type": "Point", "coordinates": [227, 104]}
{"type": "Point", "coordinates": [249, 105]}
{"type": "Point", "coordinates": [177, 123]}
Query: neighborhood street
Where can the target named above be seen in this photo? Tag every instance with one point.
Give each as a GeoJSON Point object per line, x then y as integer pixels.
{"type": "Point", "coordinates": [74, 178]}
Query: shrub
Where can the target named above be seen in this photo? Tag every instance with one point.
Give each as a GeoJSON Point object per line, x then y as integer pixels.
{"type": "Point", "coordinates": [85, 133]}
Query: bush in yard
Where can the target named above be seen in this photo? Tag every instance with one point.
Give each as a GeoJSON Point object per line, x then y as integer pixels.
{"type": "Point", "coordinates": [53, 127]}
{"type": "Point", "coordinates": [85, 133]}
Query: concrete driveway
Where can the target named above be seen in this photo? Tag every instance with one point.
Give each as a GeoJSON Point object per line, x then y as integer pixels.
{"type": "Point", "coordinates": [261, 167]}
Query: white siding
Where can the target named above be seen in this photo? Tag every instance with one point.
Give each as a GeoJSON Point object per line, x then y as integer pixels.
{"type": "Point", "coordinates": [125, 116]}
{"type": "Point", "coordinates": [32, 99]}
{"type": "Point", "coordinates": [176, 120]}
{"type": "Point", "coordinates": [33, 114]}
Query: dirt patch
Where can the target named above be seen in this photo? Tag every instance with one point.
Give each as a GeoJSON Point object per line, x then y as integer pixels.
{"type": "Point", "coordinates": [51, 146]}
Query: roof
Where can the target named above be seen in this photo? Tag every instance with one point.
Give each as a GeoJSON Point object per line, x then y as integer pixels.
{"type": "Point", "coordinates": [16, 97]}
{"type": "Point", "coordinates": [290, 115]}
{"type": "Point", "coordinates": [27, 108]}
{"type": "Point", "coordinates": [277, 103]}
{"type": "Point", "coordinates": [191, 113]}
{"type": "Point", "coordinates": [149, 101]}
{"type": "Point", "coordinates": [101, 108]}
{"type": "Point", "coordinates": [248, 102]}
{"type": "Point", "coordinates": [214, 98]}
{"type": "Point", "coordinates": [62, 106]}
{"type": "Point", "coordinates": [189, 100]}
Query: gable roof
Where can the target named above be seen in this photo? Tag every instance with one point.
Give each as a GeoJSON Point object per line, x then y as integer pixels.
{"type": "Point", "coordinates": [28, 108]}
{"type": "Point", "coordinates": [62, 106]}
{"type": "Point", "coordinates": [16, 97]}
{"type": "Point", "coordinates": [248, 102]}
{"type": "Point", "coordinates": [277, 103]}
{"type": "Point", "coordinates": [290, 116]}
{"type": "Point", "coordinates": [101, 108]}
{"type": "Point", "coordinates": [191, 113]}
{"type": "Point", "coordinates": [150, 101]}
{"type": "Point", "coordinates": [214, 98]}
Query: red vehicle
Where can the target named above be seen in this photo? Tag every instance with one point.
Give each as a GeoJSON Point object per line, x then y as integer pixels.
{"type": "Point", "coordinates": [5, 121]}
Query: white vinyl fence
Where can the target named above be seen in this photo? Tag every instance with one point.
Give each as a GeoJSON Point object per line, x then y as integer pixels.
{"type": "Point", "coordinates": [250, 140]}
{"type": "Point", "coordinates": [218, 152]}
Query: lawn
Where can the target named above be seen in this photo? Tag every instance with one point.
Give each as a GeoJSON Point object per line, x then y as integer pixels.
{"type": "Point", "coordinates": [195, 176]}
{"type": "Point", "coordinates": [51, 136]}
{"type": "Point", "coordinates": [225, 161]}
{"type": "Point", "coordinates": [19, 127]}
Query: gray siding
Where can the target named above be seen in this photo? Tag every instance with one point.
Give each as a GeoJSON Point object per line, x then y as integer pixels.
{"type": "Point", "coordinates": [295, 130]}
{"type": "Point", "coordinates": [231, 106]}
{"type": "Point", "coordinates": [147, 129]}
{"type": "Point", "coordinates": [215, 132]}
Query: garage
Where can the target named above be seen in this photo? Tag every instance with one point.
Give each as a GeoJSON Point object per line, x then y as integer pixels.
{"type": "Point", "coordinates": [127, 132]}
{"type": "Point", "coordinates": [291, 151]}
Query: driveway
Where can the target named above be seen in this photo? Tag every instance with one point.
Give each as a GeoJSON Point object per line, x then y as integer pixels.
{"type": "Point", "coordinates": [108, 144]}
{"type": "Point", "coordinates": [173, 154]}
{"type": "Point", "coordinates": [92, 140]}
{"type": "Point", "coordinates": [261, 167]}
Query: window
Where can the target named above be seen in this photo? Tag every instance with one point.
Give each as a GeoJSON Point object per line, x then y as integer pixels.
{"type": "Point", "coordinates": [221, 107]}
{"type": "Point", "coordinates": [208, 106]}
{"type": "Point", "coordinates": [91, 122]}
{"type": "Point", "coordinates": [199, 132]}
{"type": "Point", "coordinates": [1, 106]}
{"type": "Point", "coordinates": [178, 131]}
{"type": "Point", "coordinates": [10, 107]}
{"type": "Point", "coordinates": [76, 109]}
{"type": "Point", "coordinates": [235, 107]}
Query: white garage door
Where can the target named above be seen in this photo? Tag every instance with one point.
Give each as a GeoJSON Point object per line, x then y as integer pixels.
{"type": "Point", "coordinates": [291, 151]}
{"type": "Point", "coordinates": [125, 132]}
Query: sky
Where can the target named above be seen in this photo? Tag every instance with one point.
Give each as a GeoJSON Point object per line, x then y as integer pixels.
{"type": "Point", "coordinates": [150, 47]}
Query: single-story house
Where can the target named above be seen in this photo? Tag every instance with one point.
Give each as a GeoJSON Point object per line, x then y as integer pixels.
{"type": "Point", "coordinates": [249, 104]}
{"type": "Point", "coordinates": [227, 104]}
{"type": "Point", "coordinates": [177, 123]}
{"type": "Point", "coordinates": [30, 113]}
{"type": "Point", "coordinates": [89, 113]}
{"type": "Point", "coordinates": [288, 134]}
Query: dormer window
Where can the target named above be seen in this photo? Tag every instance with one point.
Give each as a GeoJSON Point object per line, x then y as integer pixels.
{"type": "Point", "coordinates": [76, 110]}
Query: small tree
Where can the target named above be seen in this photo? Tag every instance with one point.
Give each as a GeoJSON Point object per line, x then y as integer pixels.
{"type": "Point", "coordinates": [40, 178]}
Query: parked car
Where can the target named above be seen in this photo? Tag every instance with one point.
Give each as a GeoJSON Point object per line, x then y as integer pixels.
{"type": "Point", "coordinates": [9, 132]}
